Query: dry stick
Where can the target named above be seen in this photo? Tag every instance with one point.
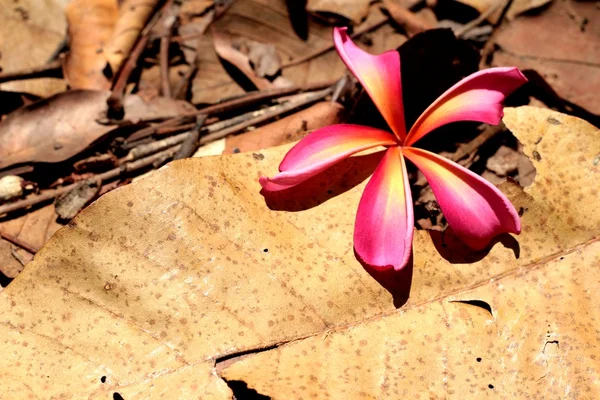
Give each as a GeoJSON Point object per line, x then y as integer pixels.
{"type": "Point", "coordinates": [471, 147]}
{"type": "Point", "coordinates": [115, 101]}
{"type": "Point", "coordinates": [19, 242]}
{"type": "Point", "coordinates": [190, 143]}
{"type": "Point", "coordinates": [105, 176]}
{"type": "Point", "coordinates": [324, 50]}
{"type": "Point", "coordinates": [179, 91]}
{"type": "Point", "coordinates": [50, 70]}
{"type": "Point", "coordinates": [165, 41]}
{"type": "Point", "coordinates": [482, 17]}
{"type": "Point", "coordinates": [228, 105]}
{"type": "Point", "coordinates": [276, 111]}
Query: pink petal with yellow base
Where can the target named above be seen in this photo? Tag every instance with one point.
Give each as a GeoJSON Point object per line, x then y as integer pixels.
{"type": "Point", "coordinates": [383, 230]}
{"type": "Point", "coordinates": [323, 148]}
{"type": "Point", "coordinates": [476, 210]}
{"type": "Point", "coordinates": [478, 97]}
{"type": "Point", "coordinates": [379, 75]}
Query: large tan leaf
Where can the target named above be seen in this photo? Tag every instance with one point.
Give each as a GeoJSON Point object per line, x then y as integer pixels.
{"type": "Point", "coordinates": [155, 281]}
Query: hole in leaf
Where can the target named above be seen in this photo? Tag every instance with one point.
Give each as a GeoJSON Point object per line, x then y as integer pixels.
{"type": "Point", "coordinates": [241, 390]}
{"type": "Point", "coordinates": [117, 396]}
{"type": "Point", "coordinates": [477, 303]}
{"type": "Point", "coordinates": [103, 379]}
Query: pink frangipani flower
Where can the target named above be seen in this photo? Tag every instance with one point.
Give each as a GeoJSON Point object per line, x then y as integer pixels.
{"type": "Point", "coordinates": [475, 209]}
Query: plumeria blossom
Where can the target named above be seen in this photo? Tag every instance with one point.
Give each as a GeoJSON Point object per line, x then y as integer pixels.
{"type": "Point", "coordinates": [475, 209]}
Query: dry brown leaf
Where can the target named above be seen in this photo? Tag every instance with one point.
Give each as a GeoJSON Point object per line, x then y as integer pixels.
{"type": "Point", "coordinates": [69, 123]}
{"type": "Point", "coordinates": [516, 8]}
{"type": "Point", "coordinates": [354, 10]}
{"type": "Point", "coordinates": [91, 25]}
{"type": "Point", "coordinates": [411, 22]}
{"type": "Point", "coordinates": [153, 282]}
{"type": "Point", "coordinates": [231, 49]}
{"type": "Point", "coordinates": [303, 61]}
{"type": "Point", "coordinates": [31, 31]}
{"type": "Point", "coordinates": [34, 228]}
{"type": "Point", "coordinates": [568, 61]}
{"type": "Point", "coordinates": [133, 15]}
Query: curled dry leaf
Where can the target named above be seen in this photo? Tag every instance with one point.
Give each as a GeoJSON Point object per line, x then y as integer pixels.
{"type": "Point", "coordinates": [91, 24]}
{"type": "Point", "coordinates": [69, 124]}
{"type": "Point", "coordinates": [31, 31]}
{"type": "Point", "coordinates": [152, 283]}
{"type": "Point", "coordinates": [302, 61]}
{"type": "Point", "coordinates": [133, 15]}
{"type": "Point", "coordinates": [237, 52]}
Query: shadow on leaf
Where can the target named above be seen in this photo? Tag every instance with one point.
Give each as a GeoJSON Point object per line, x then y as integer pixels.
{"type": "Point", "coordinates": [332, 182]}
{"type": "Point", "coordinates": [398, 283]}
{"type": "Point", "coordinates": [455, 251]}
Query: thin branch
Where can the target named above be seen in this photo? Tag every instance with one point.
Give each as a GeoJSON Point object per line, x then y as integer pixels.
{"type": "Point", "coordinates": [47, 195]}
{"type": "Point", "coordinates": [115, 101]}
{"type": "Point", "coordinates": [19, 242]}
{"type": "Point", "coordinates": [50, 70]}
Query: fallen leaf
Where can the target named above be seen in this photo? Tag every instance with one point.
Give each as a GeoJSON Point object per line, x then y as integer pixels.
{"type": "Point", "coordinates": [152, 284]}
{"type": "Point", "coordinates": [411, 22]}
{"type": "Point", "coordinates": [31, 31]}
{"type": "Point", "coordinates": [133, 15]}
{"type": "Point", "coordinates": [69, 123]}
{"type": "Point", "coordinates": [569, 61]}
{"type": "Point", "coordinates": [516, 8]}
{"type": "Point", "coordinates": [302, 61]}
{"type": "Point", "coordinates": [91, 24]}
{"type": "Point", "coordinates": [34, 228]}
{"type": "Point", "coordinates": [354, 10]}
{"type": "Point", "coordinates": [191, 8]}
{"type": "Point", "coordinates": [230, 49]}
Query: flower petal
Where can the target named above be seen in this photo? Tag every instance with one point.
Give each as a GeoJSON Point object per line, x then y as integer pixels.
{"type": "Point", "coordinates": [384, 222]}
{"type": "Point", "coordinates": [321, 149]}
{"type": "Point", "coordinates": [475, 209]}
{"type": "Point", "coordinates": [478, 97]}
{"type": "Point", "coordinates": [379, 75]}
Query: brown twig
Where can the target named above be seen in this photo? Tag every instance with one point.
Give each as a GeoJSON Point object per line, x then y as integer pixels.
{"type": "Point", "coordinates": [19, 242]}
{"type": "Point", "coordinates": [180, 88]}
{"type": "Point", "coordinates": [228, 105]}
{"type": "Point", "coordinates": [47, 195]}
{"type": "Point", "coordinates": [275, 111]}
{"type": "Point", "coordinates": [362, 30]}
{"type": "Point", "coordinates": [50, 70]}
{"type": "Point", "coordinates": [190, 143]}
{"type": "Point", "coordinates": [168, 21]}
{"type": "Point", "coordinates": [115, 101]}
